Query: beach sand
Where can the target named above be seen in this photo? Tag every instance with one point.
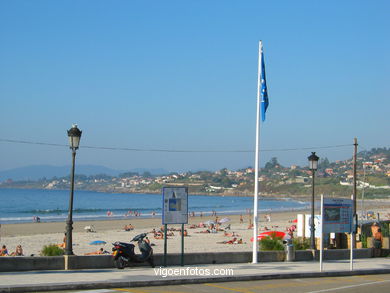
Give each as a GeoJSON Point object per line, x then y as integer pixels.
{"type": "Point", "coordinates": [33, 236]}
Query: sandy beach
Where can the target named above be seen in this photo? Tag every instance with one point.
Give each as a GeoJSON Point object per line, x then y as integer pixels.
{"type": "Point", "coordinates": [33, 236]}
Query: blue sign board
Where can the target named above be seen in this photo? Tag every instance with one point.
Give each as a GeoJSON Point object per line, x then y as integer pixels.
{"type": "Point", "coordinates": [337, 215]}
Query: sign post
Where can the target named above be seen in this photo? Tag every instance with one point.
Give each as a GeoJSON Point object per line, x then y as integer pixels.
{"type": "Point", "coordinates": [337, 218]}
{"type": "Point", "coordinates": [175, 211]}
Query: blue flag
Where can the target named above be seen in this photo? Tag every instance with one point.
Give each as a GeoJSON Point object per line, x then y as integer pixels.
{"type": "Point", "coordinates": [263, 88]}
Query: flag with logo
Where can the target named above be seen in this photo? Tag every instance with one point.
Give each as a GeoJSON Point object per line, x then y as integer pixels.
{"type": "Point", "coordinates": [263, 88]}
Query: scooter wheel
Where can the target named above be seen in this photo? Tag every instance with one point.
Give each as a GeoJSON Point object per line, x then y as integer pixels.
{"type": "Point", "coordinates": [120, 263]}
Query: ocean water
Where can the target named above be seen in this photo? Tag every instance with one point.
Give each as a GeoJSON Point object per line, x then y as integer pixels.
{"type": "Point", "coordinates": [21, 205]}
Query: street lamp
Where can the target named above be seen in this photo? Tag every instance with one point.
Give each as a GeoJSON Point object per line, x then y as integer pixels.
{"type": "Point", "coordinates": [313, 165]}
{"type": "Point", "coordinates": [74, 135]}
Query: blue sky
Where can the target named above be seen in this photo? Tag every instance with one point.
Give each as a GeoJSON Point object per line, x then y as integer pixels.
{"type": "Point", "coordinates": [182, 75]}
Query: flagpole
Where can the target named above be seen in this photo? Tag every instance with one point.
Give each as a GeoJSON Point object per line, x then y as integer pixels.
{"type": "Point", "coordinates": [255, 197]}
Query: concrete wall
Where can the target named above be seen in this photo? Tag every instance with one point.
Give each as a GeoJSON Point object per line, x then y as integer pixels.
{"type": "Point", "coordinates": [23, 263]}
{"type": "Point", "coordinates": [219, 257]}
{"type": "Point", "coordinates": [8, 264]}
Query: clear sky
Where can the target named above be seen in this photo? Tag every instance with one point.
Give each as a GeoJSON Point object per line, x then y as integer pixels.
{"type": "Point", "coordinates": [182, 75]}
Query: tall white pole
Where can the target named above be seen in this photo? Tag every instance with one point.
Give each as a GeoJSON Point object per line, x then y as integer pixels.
{"type": "Point", "coordinates": [255, 198]}
{"type": "Point", "coordinates": [322, 233]}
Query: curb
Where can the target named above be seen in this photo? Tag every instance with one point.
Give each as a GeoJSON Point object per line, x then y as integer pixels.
{"type": "Point", "coordinates": [182, 281]}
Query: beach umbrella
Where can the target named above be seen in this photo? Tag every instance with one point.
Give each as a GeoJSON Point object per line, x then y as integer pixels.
{"type": "Point", "coordinates": [209, 222]}
{"type": "Point", "coordinates": [97, 242]}
{"type": "Point", "coordinates": [224, 220]}
{"type": "Point", "coordinates": [295, 221]}
{"type": "Point", "coordinates": [278, 234]}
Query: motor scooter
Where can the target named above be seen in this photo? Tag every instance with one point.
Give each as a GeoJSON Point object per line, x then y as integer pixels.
{"type": "Point", "coordinates": [124, 253]}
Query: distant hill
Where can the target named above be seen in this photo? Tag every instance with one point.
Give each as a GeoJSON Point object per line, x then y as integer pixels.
{"type": "Point", "coordinates": [40, 171]}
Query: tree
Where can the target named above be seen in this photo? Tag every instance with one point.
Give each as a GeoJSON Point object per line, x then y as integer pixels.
{"type": "Point", "coordinates": [272, 164]}
{"type": "Point", "coordinates": [323, 164]}
{"type": "Point", "coordinates": [147, 174]}
{"type": "Point", "coordinates": [128, 174]}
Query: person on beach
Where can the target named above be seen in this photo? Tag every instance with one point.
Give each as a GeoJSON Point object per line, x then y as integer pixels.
{"type": "Point", "coordinates": [159, 235]}
{"type": "Point", "coordinates": [63, 244]}
{"type": "Point", "coordinates": [4, 251]}
{"type": "Point", "coordinates": [250, 226]}
{"type": "Point", "coordinates": [231, 234]}
{"type": "Point", "coordinates": [100, 251]}
{"type": "Point", "coordinates": [18, 251]}
{"type": "Point", "coordinates": [185, 233]}
{"type": "Point", "coordinates": [378, 238]}
{"type": "Point", "coordinates": [232, 241]}
{"type": "Point", "coordinates": [241, 219]}
{"type": "Point", "coordinates": [128, 227]}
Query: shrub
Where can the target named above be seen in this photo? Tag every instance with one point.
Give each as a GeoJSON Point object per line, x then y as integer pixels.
{"type": "Point", "coordinates": [271, 243]}
{"type": "Point", "coordinates": [51, 250]}
{"type": "Point", "coordinates": [364, 240]}
{"type": "Point", "coordinates": [301, 243]}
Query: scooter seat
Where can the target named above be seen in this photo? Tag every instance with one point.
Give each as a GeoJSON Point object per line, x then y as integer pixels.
{"type": "Point", "coordinates": [124, 244]}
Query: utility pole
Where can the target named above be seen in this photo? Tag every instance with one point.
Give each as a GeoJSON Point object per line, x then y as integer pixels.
{"type": "Point", "coordinates": [354, 175]}
{"type": "Point", "coordinates": [354, 195]}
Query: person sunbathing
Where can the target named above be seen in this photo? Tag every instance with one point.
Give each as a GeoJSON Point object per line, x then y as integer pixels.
{"type": "Point", "coordinates": [232, 241]}
{"type": "Point", "coordinates": [185, 233]}
{"type": "Point", "coordinates": [4, 251]}
{"type": "Point", "coordinates": [100, 251]}
{"type": "Point", "coordinates": [218, 228]}
{"type": "Point", "coordinates": [240, 241]}
{"type": "Point", "coordinates": [63, 244]}
{"type": "Point", "coordinates": [231, 234]}
{"type": "Point", "coordinates": [128, 227]}
{"type": "Point", "coordinates": [18, 251]}
{"type": "Point", "coordinates": [158, 235]}
{"type": "Point", "coordinates": [204, 231]}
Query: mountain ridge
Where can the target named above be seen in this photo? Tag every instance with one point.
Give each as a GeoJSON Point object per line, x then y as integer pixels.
{"type": "Point", "coordinates": [35, 172]}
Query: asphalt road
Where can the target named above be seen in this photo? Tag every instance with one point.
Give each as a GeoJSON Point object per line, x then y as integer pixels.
{"type": "Point", "coordinates": [355, 284]}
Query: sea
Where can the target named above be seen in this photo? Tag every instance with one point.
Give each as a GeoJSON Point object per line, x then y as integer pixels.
{"type": "Point", "coordinates": [23, 205]}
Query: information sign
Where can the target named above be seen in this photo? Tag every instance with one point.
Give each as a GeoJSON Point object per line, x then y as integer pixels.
{"type": "Point", "coordinates": [175, 205]}
{"type": "Point", "coordinates": [337, 214]}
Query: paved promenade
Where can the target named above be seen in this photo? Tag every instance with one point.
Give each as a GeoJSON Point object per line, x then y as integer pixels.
{"type": "Point", "coordinates": [33, 281]}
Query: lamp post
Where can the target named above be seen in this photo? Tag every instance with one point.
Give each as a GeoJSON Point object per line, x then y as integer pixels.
{"type": "Point", "coordinates": [74, 135]}
{"type": "Point", "coordinates": [313, 165]}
